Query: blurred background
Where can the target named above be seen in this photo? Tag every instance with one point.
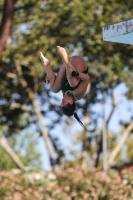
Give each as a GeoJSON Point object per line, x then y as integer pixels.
{"type": "Point", "coordinates": [34, 132]}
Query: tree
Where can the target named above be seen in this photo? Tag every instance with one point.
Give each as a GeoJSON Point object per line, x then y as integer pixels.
{"type": "Point", "coordinates": [76, 25]}
{"type": "Point", "coordinates": [5, 29]}
{"type": "Point", "coordinates": [10, 153]}
{"type": "Point", "coordinates": [6, 23]}
{"type": "Point", "coordinates": [24, 148]}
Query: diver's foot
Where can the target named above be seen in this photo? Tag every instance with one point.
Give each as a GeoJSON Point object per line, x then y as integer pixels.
{"type": "Point", "coordinates": [63, 53]}
{"type": "Point", "coordinates": [44, 60]}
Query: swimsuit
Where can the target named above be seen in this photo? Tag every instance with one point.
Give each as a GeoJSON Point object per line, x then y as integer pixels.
{"type": "Point", "coordinates": [67, 88]}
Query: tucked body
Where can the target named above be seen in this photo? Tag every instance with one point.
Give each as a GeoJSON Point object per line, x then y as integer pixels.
{"type": "Point", "coordinates": [72, 79]}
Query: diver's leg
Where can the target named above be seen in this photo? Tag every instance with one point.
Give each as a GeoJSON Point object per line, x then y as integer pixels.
{"type": "Point", "coordinates": [64, 56]}
{"type": "Point", "coordinates": [75, 62]}
{"type": "Point", "coordinates": [50, 74]}
{"type": "Point", "coordinates": [46, 64]}
{"type": "Point", "coordinates": [56, 82]}
{"type": "Point", "coordinates": [61, 79]}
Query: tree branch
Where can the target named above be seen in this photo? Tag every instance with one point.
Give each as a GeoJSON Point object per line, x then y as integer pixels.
{"type": "Point", "coordinates": [11, 153]}
{"type": "Point", "coordinates": [11, 75]}
{"type": "Point", "coordinates": [22, 107]}
{"type": "Point", "coordinates": [99, 150]}
{"type": "Point", "coordinates": [112, 111]}
{"type": "Point", "coordinates": [36, 108]}
{"type": "Point", "coordinates": [119, 145]}
{"type": "Point", "coordinates": [6, 24]}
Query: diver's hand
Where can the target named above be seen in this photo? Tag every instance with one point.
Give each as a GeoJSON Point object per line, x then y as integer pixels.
{"type": "Point", "coordinates": [47, 79]}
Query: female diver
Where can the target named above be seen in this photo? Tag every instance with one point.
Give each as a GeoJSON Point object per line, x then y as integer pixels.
{"type": "Point", "coordinates": [72, 79]}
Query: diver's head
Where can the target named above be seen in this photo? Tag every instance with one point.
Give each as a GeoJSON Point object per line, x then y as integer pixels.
{"type": "Point", "coordinates": [68, 107]}
{"type": "Point", "coordinates": [68, 104]}
{"type": "Point", "coordinates": [67, 99]}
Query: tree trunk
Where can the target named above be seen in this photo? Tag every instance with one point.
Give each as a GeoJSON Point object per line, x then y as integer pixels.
{"type": "Point", "coordinates": [84, 148]}
{"type": "Point", "coordinates": [99, 150]}
{"type": "Point", "coordinates": [104, 138]}
{"type": "Point", "coordinates": [37, 111]}
{"type": "Point", "coordinates": [11, 153]}
{"type": "Point", "coordinates": [40, 119]}
{"type": "Point", "coordinates": [6, 23]}
{"type": "Point", "coordinates": [119, 146]}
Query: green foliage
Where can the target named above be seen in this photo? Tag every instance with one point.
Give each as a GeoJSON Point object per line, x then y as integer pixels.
{"type": "Point", "coordinates": [26, 148]}
{"type": "Point", "coordinates": [6, 162]}
{"type": "Point", "coordinates": [76, 25]}
{"type": "Point", "coordinates": [129, 144]}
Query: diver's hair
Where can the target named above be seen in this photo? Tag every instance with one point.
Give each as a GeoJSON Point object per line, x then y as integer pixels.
{"type": "Point", "coordinates": [77, 118]}
{"type": "Point", "coordinates": [69, 110]}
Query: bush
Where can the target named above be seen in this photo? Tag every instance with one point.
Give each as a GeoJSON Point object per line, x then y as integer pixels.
{"type": "Point", "coordinates": [68, 184]}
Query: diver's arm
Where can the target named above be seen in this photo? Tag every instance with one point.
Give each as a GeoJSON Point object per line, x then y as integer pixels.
{"type": "Point", "coordinates": [80, 91]}
{"type": "Point", "coordinates": [74, 80]}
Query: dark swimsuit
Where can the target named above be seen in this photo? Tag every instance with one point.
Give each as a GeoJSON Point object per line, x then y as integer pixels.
{"type": "Point", "coordinates": [67, 88]}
